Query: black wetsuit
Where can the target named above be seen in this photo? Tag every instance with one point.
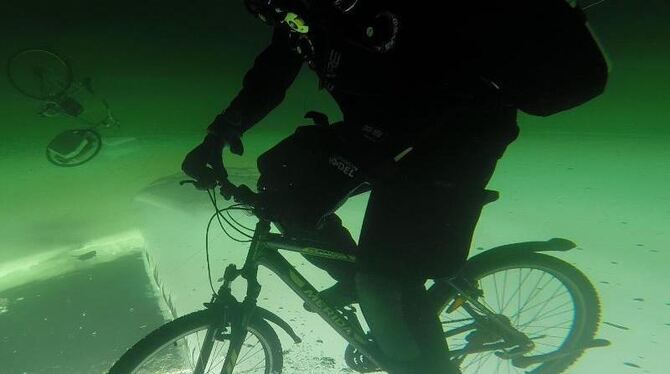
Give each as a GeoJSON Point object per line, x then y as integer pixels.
{"type": "Point", "coordinates": [425, 133]}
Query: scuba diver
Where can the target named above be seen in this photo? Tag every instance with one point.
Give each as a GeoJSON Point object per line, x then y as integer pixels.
{"type": "Point", "coordinates": [422, 129]}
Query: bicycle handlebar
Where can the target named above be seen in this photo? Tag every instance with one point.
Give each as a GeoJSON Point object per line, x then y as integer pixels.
{"type": "Point", "coordinates": [241, 194]}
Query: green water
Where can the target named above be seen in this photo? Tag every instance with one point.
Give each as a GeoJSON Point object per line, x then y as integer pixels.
{"type": "Point", "coordinates": [598, 173]}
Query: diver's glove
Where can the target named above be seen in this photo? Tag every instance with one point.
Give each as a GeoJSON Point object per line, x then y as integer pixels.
{"type": "Point", "coordinates": [205, 162]}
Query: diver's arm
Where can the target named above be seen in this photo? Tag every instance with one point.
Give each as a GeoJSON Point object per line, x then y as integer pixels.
{"type": "Point", "coordinates": [264, 86]}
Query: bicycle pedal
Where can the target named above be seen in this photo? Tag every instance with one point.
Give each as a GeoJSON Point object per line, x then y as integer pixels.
{"type": "Point", "coordinates": [457, 303]}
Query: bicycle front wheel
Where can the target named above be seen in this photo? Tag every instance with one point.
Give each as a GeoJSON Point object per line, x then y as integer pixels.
{"type": "Point", "coordinates": [195, 344]}
{"type": "Point", "coordinates": [550, 301]}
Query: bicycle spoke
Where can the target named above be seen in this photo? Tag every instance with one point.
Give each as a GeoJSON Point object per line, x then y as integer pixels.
{"type": "Point", "coordinates": [248, 357]}
{"type": "Point", "coordinates": [182, 354]}
{"type": "Point", "coordinates": [255, 366]}
{"type": "Point", "coordinates": [518, 299]}
{"type": "Point", "coordinates": [533, 294]}
{"type": "Point", "coordinates": [240, 359]}
{"type": "Point", "coordinates": [517, 292]}
{"type": "Point", "coordinates": [197, 340]}
{"type": "Point", "coordinates": [535, 290]}
{"type": "Point", "coordinates": [219, 363]}
{"type": "Point", "coordinates": [220, 360]}
{"type": "Point", "coordinates": [557, 326]}
{"type": "Point", "coordinates": [533, 300]}
{"type": "Point", "coordinates": [478, 359]}
{"type": "Point", "coordinates": [555, 314]}
{"type": "Point", "coordinates": [545, 304]}
{"type": "Point", "coordinates": [219, 350]}
{"type": "Point", "coordinates": [495, 287]}
{"type": "Point", "coordinates": [546, 314]}
{"type": "Point", "coordinates": [502, 309]}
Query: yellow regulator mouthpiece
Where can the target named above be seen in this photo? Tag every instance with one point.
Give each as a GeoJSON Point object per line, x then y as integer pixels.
{"type": "Point", "coordinates": [296, 23]}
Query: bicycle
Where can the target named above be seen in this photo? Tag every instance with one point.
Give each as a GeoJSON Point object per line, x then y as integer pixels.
{"type": "Point", "coordinates": [47, 77]}
{"type": "Point", "coordinates": [236, 336]}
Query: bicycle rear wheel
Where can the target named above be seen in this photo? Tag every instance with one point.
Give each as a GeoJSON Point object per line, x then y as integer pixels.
{"type": "Point", "coordinates": [547, 299]}
{"type": "Point", "coordinates": [178, 346]}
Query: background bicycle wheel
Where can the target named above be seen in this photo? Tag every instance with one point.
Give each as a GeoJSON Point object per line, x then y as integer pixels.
{"type": "Point", "coordinates": [39, 73]}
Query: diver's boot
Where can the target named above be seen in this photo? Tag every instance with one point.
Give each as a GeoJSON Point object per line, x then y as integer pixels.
{"type": "Point", "coordinates": [337, 296]}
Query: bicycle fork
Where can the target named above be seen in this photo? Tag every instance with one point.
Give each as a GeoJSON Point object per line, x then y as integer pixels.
{"type": "Point", "coordinates": [234, 314]}
{"type": "Point", "coordinates": [239, 319]}
{"type": "Point", "coordinates": [238, 330]}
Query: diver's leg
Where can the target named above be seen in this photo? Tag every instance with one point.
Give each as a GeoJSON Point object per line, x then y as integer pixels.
{"type": "Point", "coordinates": [303, 189]}
{"type": "Point", "coordinates": [412, 231]}
{"type": "Point", "coordinates": [336, 237]}
{"type": "Point", "coordinates": [402, 324]}
{"type": "Point", "coordinates": [419, 224]}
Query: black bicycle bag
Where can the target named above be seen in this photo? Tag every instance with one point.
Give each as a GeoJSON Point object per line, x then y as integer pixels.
{"type": "Point", "coordinates": [542, 54]}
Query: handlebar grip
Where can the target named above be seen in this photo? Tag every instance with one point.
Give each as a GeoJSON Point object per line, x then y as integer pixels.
{"type": "Point", "coordinates": [241, 194]}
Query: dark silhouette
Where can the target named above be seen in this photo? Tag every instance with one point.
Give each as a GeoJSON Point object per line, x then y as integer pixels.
{"type": "Point", "coordinates": [422, 128]}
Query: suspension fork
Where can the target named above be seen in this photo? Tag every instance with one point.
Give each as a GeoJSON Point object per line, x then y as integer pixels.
{"type": "Point", "coordinates": [238, 333]}
{"type": "Point", "coordinates": [225, 307]}
{"type": "Point", "coordinates": [230, 312]}
{"type": "Point", "coordinates": [240, 320]}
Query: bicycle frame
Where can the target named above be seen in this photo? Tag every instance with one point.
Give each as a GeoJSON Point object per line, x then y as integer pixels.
{"type": "Point", "coordinates": [264, 251]}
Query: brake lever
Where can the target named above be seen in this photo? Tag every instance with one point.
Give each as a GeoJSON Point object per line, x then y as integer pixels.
{"type": "Point", "coordinates": [242, 194]}
{"type": "Point", "coordinates": [196, 184]}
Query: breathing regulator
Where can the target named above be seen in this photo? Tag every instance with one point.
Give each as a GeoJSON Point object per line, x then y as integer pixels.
{"type": "Point", "coordinates": [308, 20]}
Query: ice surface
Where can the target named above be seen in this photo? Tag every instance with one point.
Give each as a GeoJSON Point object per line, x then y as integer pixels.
{"type": "Point", "coordinates": [606, 193]}
{"type": "Point", "coordinates": [572, 188]}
